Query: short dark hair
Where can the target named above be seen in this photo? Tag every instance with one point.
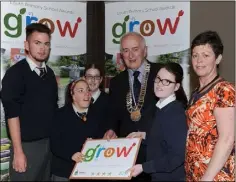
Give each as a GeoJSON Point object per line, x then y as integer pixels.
{"type": "Point", "coordinates": [177, 71]}
{"type": "Point", "coordinates": [209, 37]}
{"type": "Point", "coordinates": [37, 27]}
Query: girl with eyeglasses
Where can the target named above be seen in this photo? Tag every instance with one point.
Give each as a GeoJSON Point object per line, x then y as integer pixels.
{"type": "Point", "coordinates": [94, 77]}
{"type": "Point", "coordinates": [74, 123]}
{"type": "Point", "coordinates": [167, 137]}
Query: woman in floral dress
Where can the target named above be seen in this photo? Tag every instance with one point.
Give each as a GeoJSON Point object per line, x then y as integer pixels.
{"type": "Point", "coordinates": [210, 153]}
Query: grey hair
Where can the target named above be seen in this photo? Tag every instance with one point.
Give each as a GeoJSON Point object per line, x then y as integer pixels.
{"type": "Point", "coordinates": [143, 41]}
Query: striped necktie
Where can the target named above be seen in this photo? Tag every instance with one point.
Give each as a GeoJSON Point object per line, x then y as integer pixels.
{"type": "Point", "coordinates": [42, 72]}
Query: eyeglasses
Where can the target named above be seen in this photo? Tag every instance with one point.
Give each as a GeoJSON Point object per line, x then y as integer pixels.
{"type": "Point", "coordinates": [164, 82]}
{"type": "Point", "coordinates": [93, 77]}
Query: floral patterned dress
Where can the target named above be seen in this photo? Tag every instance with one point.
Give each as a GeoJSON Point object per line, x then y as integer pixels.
{"type": "Point", "coordinates": [203, 135]}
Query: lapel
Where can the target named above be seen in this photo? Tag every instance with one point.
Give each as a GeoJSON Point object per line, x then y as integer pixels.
{"type": "Point", "coordinates": [150, 97]}
{"type": "Point", "coordinates": [125, 81]}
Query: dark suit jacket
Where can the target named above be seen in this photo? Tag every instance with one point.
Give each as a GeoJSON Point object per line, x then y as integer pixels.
{"type": "Point", "coordinates": [120, 120]}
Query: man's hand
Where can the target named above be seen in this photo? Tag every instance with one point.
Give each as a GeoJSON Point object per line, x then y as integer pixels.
{"type": "Point", "coordinates": [19, 162]}
{"type": "Point", "coordinates": [138, 134]}
{"type": "Point", "coordinates": [136, 170]}
{"type": "Point", "coordinates": [110, 134]}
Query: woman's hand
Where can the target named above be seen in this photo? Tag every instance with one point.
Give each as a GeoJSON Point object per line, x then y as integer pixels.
{"type": "Point", "coordinates": [138, 134]}
{"type": "Point", "coordinates": [136, 170]}
{"type": "Point", "coordinates": [78, 157]}
{"type": "Point", "coordinates": [110, 134]}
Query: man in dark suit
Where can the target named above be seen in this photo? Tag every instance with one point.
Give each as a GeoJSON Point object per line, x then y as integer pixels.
{"type": "Point", "coordinates": [131, 93]}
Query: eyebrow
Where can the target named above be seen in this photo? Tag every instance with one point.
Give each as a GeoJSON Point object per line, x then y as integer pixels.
{"type": "Point", "coordinates": [40, 41]}
{"type": "Point", "coordinates": [91, 75]}
{"type": "Point", "coordinates": [131, 48]}
{"type": "Point", "coordinates": [80, 88]}
{"type": "Point", "coordinates": [202, 52]}
{"type": "Point", "coordinates": [164, 78]}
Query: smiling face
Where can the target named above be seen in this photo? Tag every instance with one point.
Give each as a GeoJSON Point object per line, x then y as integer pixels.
{"type": "Point", "coordinates": [81, 95]}
{"type": "Point", "coordinates": [37, 46]}
{"type": "Point", "coordinates": [165, 85]}
{"type": "Point", "coordinates": [204, 61]}
{"type": "Point", "coordinates": [93, 78]}
{"type": "Point", "coordinates": [133, 51]}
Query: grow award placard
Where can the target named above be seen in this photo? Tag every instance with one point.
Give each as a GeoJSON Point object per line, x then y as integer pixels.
{"type": "Point", "coordinates": [107, 159]}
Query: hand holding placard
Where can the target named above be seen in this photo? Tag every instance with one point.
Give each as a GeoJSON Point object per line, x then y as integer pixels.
{"type": "Point", "coordinates": [110, 134]}
{"type": "Point", "coordinates": [136, 170]}
{"type": "Point", "coordinates": [138, 134]}
{"type": "Point", "coordinates": [78, 157]}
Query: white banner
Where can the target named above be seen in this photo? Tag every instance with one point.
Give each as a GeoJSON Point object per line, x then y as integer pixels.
{"type": "Point", "coordinates": [67, 21]}
{"type": "Point", "coordinates": [165, 25]}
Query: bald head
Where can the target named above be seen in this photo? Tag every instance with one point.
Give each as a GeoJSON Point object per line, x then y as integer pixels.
{"type": "Point", "coordinates": [133, 50]}
{"type": "Point", "coordinates": [135, 35]}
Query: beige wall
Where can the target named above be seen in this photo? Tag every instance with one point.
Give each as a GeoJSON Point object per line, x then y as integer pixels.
{"type": "Point", "coordinates": [218, 16]}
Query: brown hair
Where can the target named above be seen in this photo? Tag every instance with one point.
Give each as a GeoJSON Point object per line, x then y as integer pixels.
{"type": "Point", "coordinates": [70, 90]}
{"type": "Point", "coordinates": [95, 66]}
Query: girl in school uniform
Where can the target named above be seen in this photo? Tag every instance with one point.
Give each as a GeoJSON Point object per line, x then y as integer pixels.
{"type": "Point", "coordinates": [73, 124]}
{"type": "Point", "coordinates": [167, 137]}
{"type": "Point", "coordinates": [94, 76]}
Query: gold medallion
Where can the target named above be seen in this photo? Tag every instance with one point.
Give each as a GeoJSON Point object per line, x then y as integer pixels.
{"type": "Point", "coordinates": [134, 111]}
{"type": "Point", "coordinates": [135, 115]}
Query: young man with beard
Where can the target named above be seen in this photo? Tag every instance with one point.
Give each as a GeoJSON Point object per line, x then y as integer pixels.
{"type": "Point", "coordinates": [131, 93]}
{"type": "Point", "coordinates": [29, 97]}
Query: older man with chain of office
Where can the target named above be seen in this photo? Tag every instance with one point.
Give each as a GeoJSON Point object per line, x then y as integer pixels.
{"type": "Point", "coordinates": [131, 93]}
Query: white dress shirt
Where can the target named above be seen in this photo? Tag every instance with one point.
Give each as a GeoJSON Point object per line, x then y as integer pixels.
{"type": "Point", "coordinates": [96, 94]}
{"type": "Point", "coordinates": [77, 111]}
{"type": "Point", "coordinates": [34, 67]}
{"type": "Point", "coordinates": [162, 103]}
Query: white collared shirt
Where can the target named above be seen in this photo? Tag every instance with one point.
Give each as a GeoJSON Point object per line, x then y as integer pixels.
{"type": "Point", "coordinates": [160, 104]}
{"type": "Point", "coordinates": [141, 69]}
{"type": "Point", "coordinates": [34, 67]}
{"type": "Point", "coordinates": [76, 110]}
{"type": "Point", "coordinates": [96, 95]}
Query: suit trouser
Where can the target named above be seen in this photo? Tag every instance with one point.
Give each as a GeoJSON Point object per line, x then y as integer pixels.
{"type": "Point", "coordinates": [38, 157]}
